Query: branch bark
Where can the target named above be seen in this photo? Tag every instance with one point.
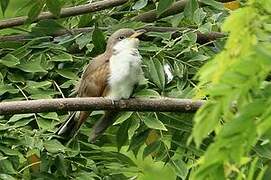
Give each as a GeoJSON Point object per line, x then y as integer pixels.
{"type": "Point", "coordinates": [152, 15]}
{"type": "Point", "coordinates": [96, 103]}
{"type": "Point", "coordinates": [65, 12]}
{"type": "Point", "coordinates": [202, 38]}
{"type": "Point", "coordinates": [175, 8]}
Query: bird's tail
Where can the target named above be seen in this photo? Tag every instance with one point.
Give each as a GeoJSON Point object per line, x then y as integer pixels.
{"type": "Point", "coordinates": [100, 126]}
{"type": "Point", "coordinates": [70, 127]}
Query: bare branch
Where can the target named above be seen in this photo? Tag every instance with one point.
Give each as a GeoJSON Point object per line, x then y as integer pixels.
{"type": "Point", "coordinates": [152, 15]}
{"type": "Point", "coordinates": [202, 38]}
{"type": "Point", "coordinates": [96, 103]}
{"type": "Point", "coordinates": [65, 12]}
{"type": "Point", "coordinates": [175, 8]}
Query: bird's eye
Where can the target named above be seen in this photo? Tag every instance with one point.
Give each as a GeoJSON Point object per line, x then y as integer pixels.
{"type": "Point", "coordinates": [121, 37]}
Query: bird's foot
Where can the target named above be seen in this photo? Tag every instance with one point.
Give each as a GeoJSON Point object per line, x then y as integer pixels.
{"type": "Point", "coordinates": [112, 99]}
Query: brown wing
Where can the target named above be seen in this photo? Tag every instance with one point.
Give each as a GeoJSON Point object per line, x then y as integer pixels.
{"type": "Point", "coordinates": [94, 79]}
{"type": "Point", "coordinates": [92, 84]}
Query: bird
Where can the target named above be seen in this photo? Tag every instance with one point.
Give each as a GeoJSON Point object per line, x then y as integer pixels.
{"type": "Point", "coordinates": [112, 74]}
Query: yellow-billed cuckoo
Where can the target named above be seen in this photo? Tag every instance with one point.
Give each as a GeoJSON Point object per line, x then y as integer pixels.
{"type": "Point", "coordinates": [112, 74]}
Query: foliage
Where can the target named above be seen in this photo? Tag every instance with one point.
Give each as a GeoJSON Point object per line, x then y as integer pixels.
{"type": "Point", "coordinates": [44, 66]}
{"type": "Point", "coordinates": [237, 84]}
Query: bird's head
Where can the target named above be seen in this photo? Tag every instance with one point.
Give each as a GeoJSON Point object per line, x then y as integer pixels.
{"type": "Point", "coordinates": [124, 38]}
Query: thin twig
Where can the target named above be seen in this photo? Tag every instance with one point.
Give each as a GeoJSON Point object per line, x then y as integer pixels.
{"type": "Point", "coordinates": [26, 99]}
{"type": "Point", "coordinates": [28, 166]}
{"type": "Point", "coordinates": [59, 89]}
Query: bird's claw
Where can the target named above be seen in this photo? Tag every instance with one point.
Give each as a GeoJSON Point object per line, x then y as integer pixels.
{"type": "Point", "coordinates": [112, 101]}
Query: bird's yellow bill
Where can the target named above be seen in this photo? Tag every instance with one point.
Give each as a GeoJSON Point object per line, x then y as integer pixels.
{"type": "Point", "coordinates": [138, 33]}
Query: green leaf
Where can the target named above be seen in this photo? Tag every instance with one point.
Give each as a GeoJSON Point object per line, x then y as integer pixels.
{"type": "Point", "coordinates": [163, 5]}
{"type": "Point", "coordinates": [263, 150]}
{"type": "Point", "coordinates": [54, 146]}
{"type": "Point", "coordinates": [17, 117]}
{"type": "Point", "coordinates": [138, 140]}
{"type": "Point", "coordinates": [49, 115]}
{"type": "Point", "coordinates": [140, 4]}
{"type": "Point", "coordinates": [61, 165]}
{"type": "Point", "coordinates": [180, 168]}
{"type": "Point", "coordinates": [157, 73]}
{"type": "Point", "coordinates": [90, 47]}
{"type": "Point", "coordinates": [122, 134]}
{"type": "Point", "coordinates": [68, 84]}
{"type": "Point", "coordinates": [15, 78]}
{"type": "Point", "coordinates": [199, 16]}
{"type": "Point", "coordinates": [123, 117]}
{"type": "Point", "coordinates": [67, 74]}
{"type": "Point", "coordinates": [42, 94]}
{"type": "Point", "coordinates": [135, 124]}
{"type": "Point", "coordinates": [68, 40]}
{"type": "Point", "coordinates": [207, 117]}
{"type": "Point", "coordinates": [1, 77]}
{"type": "Point", "coordinates": [7, 167]}
{"type": "Point", "coordinates": [7, 177]}
{"type": "Point", "coordinates": [153, 123]}
{"type": "Point", "coordinates": [98, 40]}
{"type": "Point", "coordinates": [147, 93]}
{"type": "Point", "coordinates": [214, 4]}
{"type": "Point", "coordinates": [151, 148]}
{"type": "Point", "coordinates": [45, 124]}
{"type": "Point", "coordinates": [163, 35]}
{"type": "Point", "coordinates": [74, 148]}
{"type": "Point", "coordinates": [190, 8]}
{"type": "Point", "coordinates": [47, 27]}
{"type": "Point", "coordinates": [9, 60]}
{"type": "Point", "coordinates": [23, 122]}
{"type": "Point", "coordinates": [35, 11]}
{"type": "Point", "coordinates": [32, 65]}
{"type": "Point", "coordinates": [54, 7]}
{"type": "Point", "coordinates": [148, 47]}
{"type": "Point", "coordinates": [62, 57]}
{"type": "Point", "coordinates": [7, 88]}
{"type": "Point", "coordinates": [13, 152]}
{"type": "Point", "coordinates": [85, 176]}
{"type": "Point", "coordinates": [206, 28]}
{"type": "Point", "coordinates": [4, 5]}
{"type": "Point", "coordinates": [83, 40]}
{"type": "Point", "coordinates": [38, 85]}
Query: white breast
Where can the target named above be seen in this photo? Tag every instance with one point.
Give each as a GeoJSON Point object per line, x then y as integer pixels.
{"type": "Point", "coordinates": [125, 73]}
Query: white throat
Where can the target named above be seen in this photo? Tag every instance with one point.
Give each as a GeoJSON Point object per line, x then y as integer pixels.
{"type": "Point", "coordinates": [128, 43]}
{"type": "Point", "coordinates": [125, 69]}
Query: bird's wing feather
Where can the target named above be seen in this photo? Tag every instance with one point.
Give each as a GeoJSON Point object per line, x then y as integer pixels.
{"type": "Point", "coordinates": [92, 84]}
{"type": "Point", "coordinates": [94, 79]}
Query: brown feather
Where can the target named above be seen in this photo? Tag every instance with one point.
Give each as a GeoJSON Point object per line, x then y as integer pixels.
{"type": "Point", "coordinates": [92, 84]}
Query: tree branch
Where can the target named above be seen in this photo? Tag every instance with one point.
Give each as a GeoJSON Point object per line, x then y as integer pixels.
{"type": "Point", "coordinates": [175, 8]}
{"type": "Point", "coordinates": [65, 12]}
{"type": "Point", "coordinates": [96, 103]}
{"type": "Point", "coordinates": [202, 38]}
{"type": "Point", "coordinates": [152, 15]}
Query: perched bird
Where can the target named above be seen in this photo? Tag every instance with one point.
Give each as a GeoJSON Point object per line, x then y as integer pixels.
{"type": "Point", "coordinates": [113, 75]}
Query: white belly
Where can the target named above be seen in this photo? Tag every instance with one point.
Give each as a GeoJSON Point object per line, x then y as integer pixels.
{"type": "Point", "coordinates": [125, 73]}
